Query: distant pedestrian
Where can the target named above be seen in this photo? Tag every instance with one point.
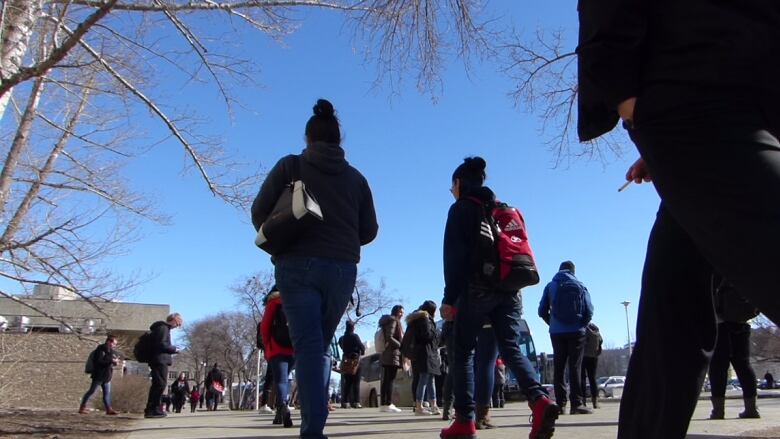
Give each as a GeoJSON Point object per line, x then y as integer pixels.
{"type": "Point", "coordinates": [215, 385]}
{"type": "Point", "coordinates": [279, 353]}
{"type": "Point", "coordinates": [732, 347]}
{"type": "Point", "coordinates": [426, 360]}
{"type": "Point", "coordinates": [161, 350]}
{"type": "Point", "coordinates": [567, 308]}
{"type": "Point", "coordinates": [770, 380]}
{"type": "Point", "coordinates": [469, 300]}
{"type": "Point", "coordinates": [316, 274]}
{"type": "Point", "coordinates": [590, 363]}
{"type": "Point", "coordinates": [391, 360]}
{"type": "Point", "coordinates": [352, 348]}
{"type": "Point", "coordinates": [103, 362]}
{"type": "Point", "coordinates": [194, 398]}
{"type": "Point", "coordinates": [180, 389]}
{"type": "Point", "coordinates": [500, 382]}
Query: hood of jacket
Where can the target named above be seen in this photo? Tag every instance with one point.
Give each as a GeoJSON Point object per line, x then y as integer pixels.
{"type": "Point", "coordinates": [156, 325]}
{"type": "Point", "coordinates": [386, 320]}
{"type": "Point", "coordinates": [483, 193]}
{"type": "Point", "coordinates": [592, 328]}
{"type": "Point", "coordinates": [273, 295]}
{"type": "Point", "coordinates": [327, 157]}
{"type": "Point", "coordinates": [417, 315]}
{"type": "Point", "coordinates": [563, 275]}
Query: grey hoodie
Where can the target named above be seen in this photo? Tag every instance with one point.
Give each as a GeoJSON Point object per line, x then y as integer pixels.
{"type": "Point", "coordinates": [343, 194]}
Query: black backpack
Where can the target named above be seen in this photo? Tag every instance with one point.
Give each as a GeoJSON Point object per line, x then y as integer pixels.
{"type": "Point", "coordinates": [89, 366]}
{"type": "Point", "coordinates": [280, 331]}
{"type": "Point", "coordinates": [143, 349]}
{"type": "Point", "coordinates": [409, 342]}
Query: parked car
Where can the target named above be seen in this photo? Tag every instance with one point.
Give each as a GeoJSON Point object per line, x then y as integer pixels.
{"type": "Point", "coordinates": [611, 387]}
{"type": "Point", "coordinates": [370, 379]}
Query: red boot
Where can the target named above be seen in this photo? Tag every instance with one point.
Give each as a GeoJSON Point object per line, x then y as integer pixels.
{"type": "Point", "coordinates": [460, 429]}
{"type": "Point", "coordinates": [111, 412]}
{"type": "Point", "coordinates": [83, 410]}
{"type": "Point", "coordinates": [544, 412]}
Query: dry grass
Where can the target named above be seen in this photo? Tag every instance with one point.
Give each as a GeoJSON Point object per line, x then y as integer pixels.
{"type": "Point", "coordinates": [128, 394]}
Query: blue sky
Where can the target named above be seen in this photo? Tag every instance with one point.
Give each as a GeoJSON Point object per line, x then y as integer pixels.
{"type": "Point", "coordinates": [407, 147]}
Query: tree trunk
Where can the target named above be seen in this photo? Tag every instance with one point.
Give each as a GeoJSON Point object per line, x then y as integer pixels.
{"type": "Point", "coordinates": [18, 22]}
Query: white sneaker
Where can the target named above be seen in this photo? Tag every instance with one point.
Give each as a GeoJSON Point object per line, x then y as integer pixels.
{"type": "Point", "coordinates": [393, 409]}
{"type": "Point", "coordinates": [422, 411]}
{"type": "Point", "coordinates": [264, 409]}
{"type": "Point", "coordinates": [435, 410]}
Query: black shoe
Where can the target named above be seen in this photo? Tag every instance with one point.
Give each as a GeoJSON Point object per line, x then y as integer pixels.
{"type": "Point", "coordinates": [286, 418]}
{"type": "Point", "coordinates": [277, 418]}
{"type": "Point", "coordinates": [155, 415]}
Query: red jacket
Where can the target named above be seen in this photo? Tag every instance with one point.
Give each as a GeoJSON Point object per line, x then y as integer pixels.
{"type": "Point", "coordinates": [272, 348]}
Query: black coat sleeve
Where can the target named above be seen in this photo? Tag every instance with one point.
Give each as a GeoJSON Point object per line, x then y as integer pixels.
{"type": "Point", "coordinates": [162, 338]}
{"type": "Point", "coordinates": [272, 187]}
{"type": "Point", "coordinates": [368, 223]}
{"type": "Point", "coordinates": [459, 235]}
{"type": "Point", "coordinates": [609, 52]}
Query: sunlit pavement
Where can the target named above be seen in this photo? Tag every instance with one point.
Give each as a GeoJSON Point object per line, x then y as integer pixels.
{"type": "Point", "coordinates": [512, 422]}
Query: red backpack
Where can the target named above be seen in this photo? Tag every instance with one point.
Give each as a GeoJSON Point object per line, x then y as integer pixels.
{"type": "Point", "coordinates": [504, 257]}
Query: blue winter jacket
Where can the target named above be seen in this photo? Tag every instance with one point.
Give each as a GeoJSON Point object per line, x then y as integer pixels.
{"type": "Point", "coordinates": [548, 298]}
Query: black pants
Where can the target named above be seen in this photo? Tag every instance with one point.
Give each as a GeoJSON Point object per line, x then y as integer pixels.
{"type": "Point", "coordinates": [159, 376]}
{"type": "Point", "coordinates": [589, 366]}
{"type": "Point", "coordinates": [350, 389]}
{"type": "Point", "coordinates": [733, 346]}
{"type": "Point", "coordinates": [568, 348]}
{"type": "Point", "coordinates": [715, 161]}
{"type": "Point", "coordinates": [498, 395]}
{"type": "Point", "coordinates": [386, 388]}
{"type": "Point", "coordinates": [267, 383]}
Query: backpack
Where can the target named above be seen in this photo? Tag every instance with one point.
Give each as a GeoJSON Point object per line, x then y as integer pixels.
{"type": "Point", "coordinates": [504, 258]}
{"type": "Point", "coordinates": [569, 303]}
{"type": "Point", "coordinates": [280, 331]}
{"type": "Point", "coordinates": [379, 340]}
{"type": "Point", "coordinates": [142, 351]}
{"type": "Point", "coordinates": [731, 306]}
{"type": "Point", "coordinates": [89, 366]}
{"type": "Point", "coordinates": [408, 343]}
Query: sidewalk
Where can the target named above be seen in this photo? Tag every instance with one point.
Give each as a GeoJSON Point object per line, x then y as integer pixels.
{"type": "Point", "coordinates": [513, 423]}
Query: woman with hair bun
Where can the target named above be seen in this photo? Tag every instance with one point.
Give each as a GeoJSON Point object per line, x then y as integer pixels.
{"type": "Point", "coordinates": [469, 302]}
{"type": "Point", "coordinates": [316, 274]}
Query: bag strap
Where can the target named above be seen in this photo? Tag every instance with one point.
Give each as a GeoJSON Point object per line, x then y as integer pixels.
{"type": "Point", "coordinates": [296, 169]}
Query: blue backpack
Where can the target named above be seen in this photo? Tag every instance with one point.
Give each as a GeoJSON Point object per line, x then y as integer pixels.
{"type": "Point", "coordinates": [569, 303]}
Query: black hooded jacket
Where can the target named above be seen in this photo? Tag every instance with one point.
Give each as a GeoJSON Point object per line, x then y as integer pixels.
{"type": "Point", "coordinates": [161, 343]}
{"type": "Point", "coordinates": [349, 219]}
{"type": "Point", "coordinates": [103, 366]}
{"type": "Point", "coordinates": [460, 242]}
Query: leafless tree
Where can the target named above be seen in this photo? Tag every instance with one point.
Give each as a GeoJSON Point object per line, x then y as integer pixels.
{"type": "Point", "coordinates": [226, 338]}
{"type": "Point", "coordinates": [369, 301]}
{"type": "Point", "coordinates": [765, 341]}
{"type": "Point", "coordinates": [80, 79]}
{"type": "Point", "coordinates": [544, 69]}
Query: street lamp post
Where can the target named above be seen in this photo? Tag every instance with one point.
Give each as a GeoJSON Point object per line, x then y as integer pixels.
{"type": "Point", "coordinates": [628, 326]}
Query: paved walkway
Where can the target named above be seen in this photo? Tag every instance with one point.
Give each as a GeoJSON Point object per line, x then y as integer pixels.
{"type": "Point", "coordinates": [512, 420]}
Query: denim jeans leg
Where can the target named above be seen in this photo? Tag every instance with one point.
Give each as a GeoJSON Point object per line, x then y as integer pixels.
{"type": "Point", "coordinates": [468, 322]}
{"type": "Point", "coordinates": [315, 293]}
{"type": "Point", "coordinates": [485, 355]}
{"type": "Point", "coordinates": [506, 325]}
{"type": "Point", "coordinates": [92, 388]}
{"type": "Point", "coordinates": [107, 394]}
{"type": "Point", "coordinates": [280, 365]}
{"type": "Point", "coordinates": [419, 394]}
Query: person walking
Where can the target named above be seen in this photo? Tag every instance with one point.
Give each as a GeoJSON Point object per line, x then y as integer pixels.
{"type": "Point", "coordinates": [161, 350]}
{"type": "Point", "coordinates": [590, 363]}
{"type": "Point", "coordinates": [426, 360]}
{"type": "Point", "coordinates": [498, 389]}
{"type": "Point", "coordinates": [316, 274]}
{"type": "Point", "coordinates": [468, 301]}
{"type": "Point", "coordinates": [567, 308]}
{"type": "Point", "coordinates": [215, 385]}
{"type": "Point", "coordinates": [732, 346]}
{"type": "Point", "coordinates": [279, 353]}
{"type": "Point", "coordinates": [103, 362]}
{"type": "Point", "coordinates": [702, 111]}
{"type": "Point", "coordinates": [194, 398]}
{"type": "Point", "coordinates": [180, 389]}
{"type": "Point", "coordinates": [352, 348]}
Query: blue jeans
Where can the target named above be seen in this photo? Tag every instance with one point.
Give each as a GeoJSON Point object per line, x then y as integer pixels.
{"type": "Point", "coordinates": [503, 311]}
{"type": "Point", "coordinates": [280, 366]}
{"type": "Point", "coordinates": [315, 293]}
{"type": "Point", "coordinates": [93, 388]}
{"type": "Point", "coordinates": [425, 383]}
{"type": "Point", "coordinates": [485, 355]}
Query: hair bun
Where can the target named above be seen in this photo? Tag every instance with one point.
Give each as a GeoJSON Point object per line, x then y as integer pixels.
{"type": "Point", "coordinates": [323, 109]}
{"type": "Point", "coordinates": [475, 163]}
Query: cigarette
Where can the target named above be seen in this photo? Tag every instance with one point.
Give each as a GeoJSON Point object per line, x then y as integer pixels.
{"type": "Point", "coordinates": [620, 189]}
